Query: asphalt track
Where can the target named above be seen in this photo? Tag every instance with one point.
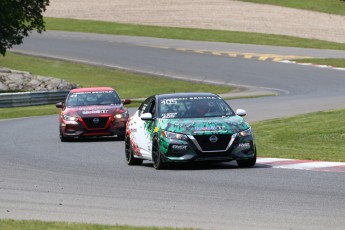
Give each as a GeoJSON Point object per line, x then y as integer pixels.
{"type": "Point", "coordinates": [89, 181]}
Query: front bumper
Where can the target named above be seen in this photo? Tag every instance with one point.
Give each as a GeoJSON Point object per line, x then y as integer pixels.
{"type": "Point", "coordinates": [80, 129]}
{"type": "Point", "coordinates": [236, 148]}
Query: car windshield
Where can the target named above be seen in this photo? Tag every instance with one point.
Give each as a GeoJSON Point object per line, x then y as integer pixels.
{"type": "Point", "coordinates": [193, 107]}
{"type": "Point", "coordinates": [92, 98]}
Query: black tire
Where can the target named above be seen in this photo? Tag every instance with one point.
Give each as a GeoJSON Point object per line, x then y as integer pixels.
{"type": "Point", "coordinates": [247, 163]}
{"type": "Point", "coordinates": [156, 155]}
{"type": "Point", "coordinates": [131, 160]}
{"type": "Point", "coordinates": [63, 138]}
{"type": "Point", "coordinates": [121, 137]}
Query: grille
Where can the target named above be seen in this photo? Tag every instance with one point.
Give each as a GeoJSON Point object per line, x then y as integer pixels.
{"type": "Point", "coordinates": [92, 125]}
{"type": "Point", "coordinates": [207, 145]}
{"type": "Point", "coordinates": [214, 155]}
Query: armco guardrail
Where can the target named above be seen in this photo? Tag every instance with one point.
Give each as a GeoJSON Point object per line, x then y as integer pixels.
{"type": "Point", "coordinates": [31, 98]}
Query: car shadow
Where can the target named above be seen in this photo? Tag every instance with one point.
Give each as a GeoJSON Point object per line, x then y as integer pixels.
{"type": "Point", "coordinates": [204, 166]}
{"type": "Point", "coordinates": [95, 139]}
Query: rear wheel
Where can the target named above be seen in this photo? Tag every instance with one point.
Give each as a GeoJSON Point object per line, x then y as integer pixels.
{"type": "Point", "coordinates": [156, 155]}
{"type": "Point", "coordinates": [131, 160]}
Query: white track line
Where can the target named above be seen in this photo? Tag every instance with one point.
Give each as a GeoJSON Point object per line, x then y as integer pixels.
{"type": "Point", "coordinates": [303, 164]}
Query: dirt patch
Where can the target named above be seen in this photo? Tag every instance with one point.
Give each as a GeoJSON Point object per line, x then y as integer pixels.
{"type": "Point", "coordinates": [209, 14]}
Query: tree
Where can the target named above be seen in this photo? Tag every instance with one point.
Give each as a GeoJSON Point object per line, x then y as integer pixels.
{"type": "Point", "coordinates": [17, 19]}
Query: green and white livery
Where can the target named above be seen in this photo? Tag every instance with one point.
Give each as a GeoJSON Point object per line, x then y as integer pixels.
{"type": "Point", "coordinates": [186, 127]}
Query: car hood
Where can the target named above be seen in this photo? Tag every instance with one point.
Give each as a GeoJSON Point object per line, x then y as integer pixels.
{"type": "Point", "coordinates": [201, 126]}
{"type": "Point", "coordinates": [92, 111]}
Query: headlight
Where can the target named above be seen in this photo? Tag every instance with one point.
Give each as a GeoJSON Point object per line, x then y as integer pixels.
{"type": "Point", "coordinates": [247, 132]}
{"type": "Point", "coordinates": [172, 135]}
{"type": "Point", "coordinates": [121, 115]}
{"type": "Point", "coordinates": [70, 118]}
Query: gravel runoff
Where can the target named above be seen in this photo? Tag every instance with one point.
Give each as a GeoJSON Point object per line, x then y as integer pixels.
{"type": "Point", "coordinates": [209, 14]}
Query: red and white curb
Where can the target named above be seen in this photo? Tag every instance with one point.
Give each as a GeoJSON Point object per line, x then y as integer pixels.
{"type": "Point", "coordinates": [314, 65]}
{"type": "Point", "coordinates": [302, 164]}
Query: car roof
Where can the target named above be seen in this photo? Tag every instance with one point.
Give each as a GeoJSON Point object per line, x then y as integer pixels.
{"type": "Point", "coordinates": [192, 94]}
{"type": "Point", "coordinates": [93, 89]}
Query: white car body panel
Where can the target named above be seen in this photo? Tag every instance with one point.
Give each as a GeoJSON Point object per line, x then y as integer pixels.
{"type": "Point", "coordinates": [140, 136]}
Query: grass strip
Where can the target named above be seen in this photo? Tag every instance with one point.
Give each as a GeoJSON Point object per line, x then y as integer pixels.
{"type": "Point", "coordinates": [91, 26]}
{"type": "Point", "coordinates": [27, 111]}
{"type": "Point", "coordinates": [314, 136]}
{"type": "Point", "coordinates": [128, 85]}
{"type": "Point", "coordinates": [324, 6]}
{"type": "Point", "coordinates": [7, 224]}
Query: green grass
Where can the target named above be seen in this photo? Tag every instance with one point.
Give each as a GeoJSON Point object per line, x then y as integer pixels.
{"type": "Point", "coordinates": [325, 6]}
{"type": "Point", "coordinates": [28, 111]}
{"type": "Point", "coordinates": [336, 62]}
{"type": "Point", "coordinates": [186, 33]}
{"type": "Point", "coordinates": [128, 85]}
{"type": "Point", "coordinates": [45, 225]}
{"type": "Point", "coordinates": [315, 136]}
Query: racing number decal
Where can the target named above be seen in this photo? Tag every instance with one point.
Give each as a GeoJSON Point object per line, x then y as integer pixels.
{"type": "Point", "coordinates": [168, 115]}
{"type": "Point", "coordinates": [169, 102]}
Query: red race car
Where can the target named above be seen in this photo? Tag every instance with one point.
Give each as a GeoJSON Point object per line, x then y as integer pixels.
{"type": "Point", "coordinates": [91, 112]}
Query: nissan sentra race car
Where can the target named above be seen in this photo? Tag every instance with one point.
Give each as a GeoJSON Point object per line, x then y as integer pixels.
{"type": "Point", "coordinates": [187, 127]}
{"type": "Point", "coordinates": [89, 112]}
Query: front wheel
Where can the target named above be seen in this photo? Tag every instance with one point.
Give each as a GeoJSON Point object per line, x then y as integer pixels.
{"type": "Point", "coordinates": [156, 155]}
{"type": "Point", "coordinates": [121, 137]}
{"type": "Point", "coordinates": [247, 163]}
{"type": "Point", "coordinates": [131, 160]}
{"type": "Point", "coordinates": [63, 138]}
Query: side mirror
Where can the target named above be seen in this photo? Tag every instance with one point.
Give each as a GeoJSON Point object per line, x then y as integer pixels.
{"type": "Point", "coordinates": [126, 101]}
{"type": "Point", "coordinates": [241, 112]}
{"type": "Point", "coordinates": [146, 117]}
{"type": "Point", "coordinates": [60, 105]}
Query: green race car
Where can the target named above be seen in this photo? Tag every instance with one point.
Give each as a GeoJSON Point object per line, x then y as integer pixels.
{"type": "Point", "coordinates": [187, 127]}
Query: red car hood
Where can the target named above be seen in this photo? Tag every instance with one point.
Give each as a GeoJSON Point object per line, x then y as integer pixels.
{"type": "Point", "coordinates": [95, 110]}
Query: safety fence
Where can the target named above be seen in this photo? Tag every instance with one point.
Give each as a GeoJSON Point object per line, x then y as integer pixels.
{"type": "Point", "coordinates": [31, 98]}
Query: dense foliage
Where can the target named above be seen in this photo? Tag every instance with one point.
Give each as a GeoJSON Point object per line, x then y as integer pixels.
{"type": "Point", "coordinates": [18, 18]}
